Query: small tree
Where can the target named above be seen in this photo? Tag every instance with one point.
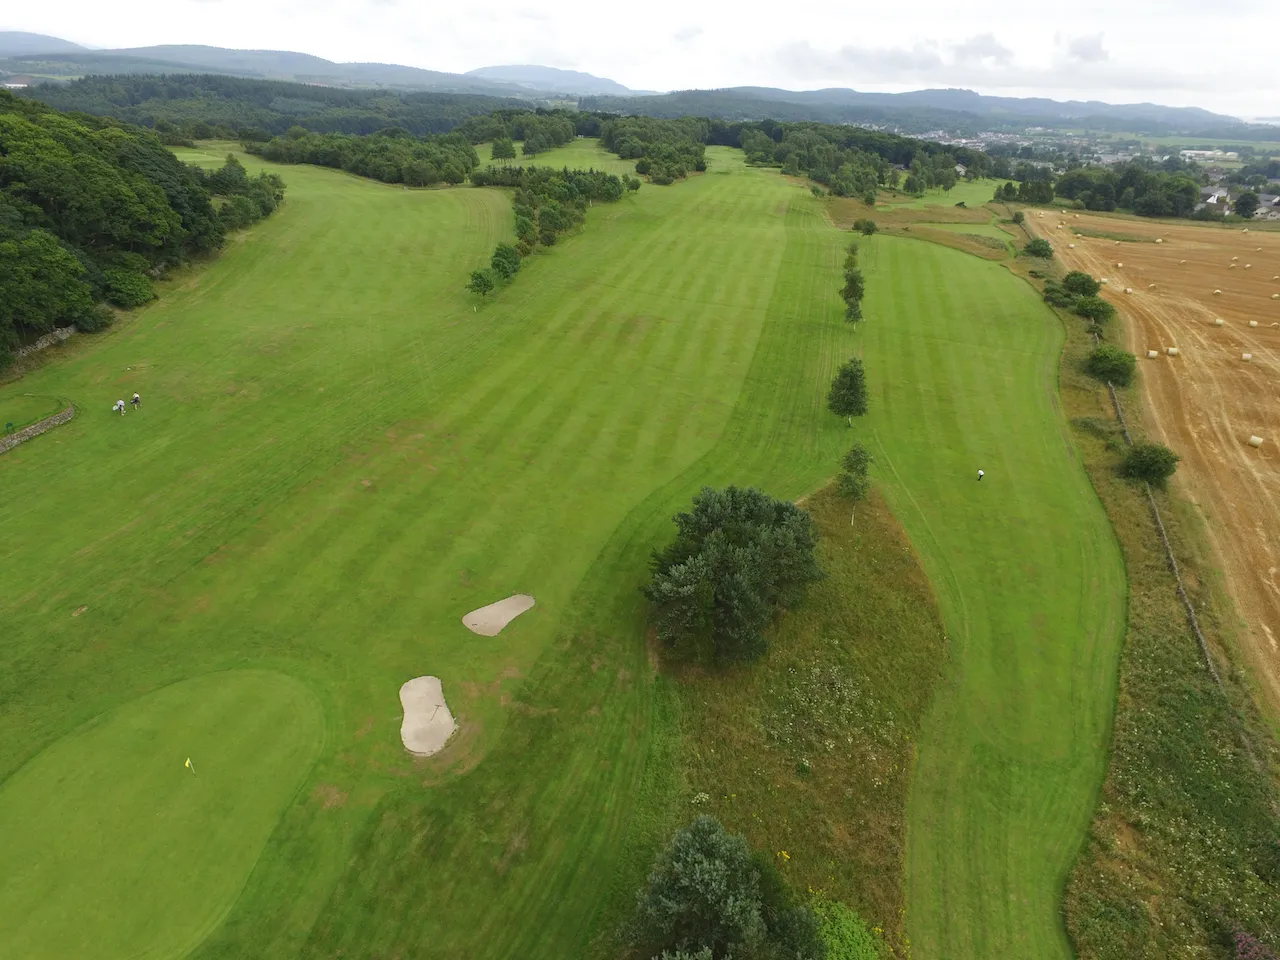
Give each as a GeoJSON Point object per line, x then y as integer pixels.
{"type": "Point", "coordinates": [1111, 364]}
{"type": "Point", "coordinates": [1153, 462]}
{"type": "Point", "coordinates": [854, 481]}
{"type": "Point", "coordinates": [1038, 247]}
{"type": "Point", "coordinates": [1081, 284]}
{"type": "Point", "coordinates": [865, 227]}
{"type": "Point", "coordinates": [848, 394]}
{"type": "Point", "coordinates": [481, 282]}
{"type": "Point", "coordinates": [503, 148]}
{"type": "Point", "coordinates": [1094, 308]}
{"type": "Point", "coordinates": [1019, 216]}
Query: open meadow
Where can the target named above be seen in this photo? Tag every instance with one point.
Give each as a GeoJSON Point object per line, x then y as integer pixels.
{"type": "Point", "coordinates": [340, 453]}
{"type": "Point", "coordinates": [1207, 401]}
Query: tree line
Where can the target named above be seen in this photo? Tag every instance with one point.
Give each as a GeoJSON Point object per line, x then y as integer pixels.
{"type": "Point", "coordinates": [547, 203]}
{"type": "Point", "coordinates": [92, 210]}
{"type": "Point", "coordinates": [207, 106]}
{"type": "Point", "coordinates": [391, 156]}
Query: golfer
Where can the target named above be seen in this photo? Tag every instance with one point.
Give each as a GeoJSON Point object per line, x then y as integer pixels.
{"type": "Point", "coordinates": [136, 401]}
{"type": "Point", "coordinates": [120, 406]}
{"type": "Point", "coordinates": [980, 476]}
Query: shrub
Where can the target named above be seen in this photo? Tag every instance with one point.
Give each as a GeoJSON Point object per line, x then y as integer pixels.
{"type": "Point", "coordinates": [865, 227]}
{"type": "Point", "coordinates": [1019, 216]}
{"type": "Point", "coordinates": [1057, 295]}
{"type": "Point", "coordinates": [1109, 363]}
{"type": "Point", "coordinates": [845, 933]}
{"type": "Point", "coordinates": [1081, 284]}
{"type": "Point", "coordinates": [1038, 247]}
{"type": "Point", "coordinates": [127, 289]}
{"type": "Point", "coordinates": [738, 556]}
{"type": "Point", "coordinates": [708, 896]}
{"type": "Point", "coordinates": [1153, 462]}
{"type": "Point", "coordinates": [98, 317]}
{"type": "Point", "coordinates": [1094, 308]}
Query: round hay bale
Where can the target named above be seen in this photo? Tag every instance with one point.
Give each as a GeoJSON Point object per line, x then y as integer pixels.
{"type": "Point", "coordinates": [1171, 351]}
{"type": "Point", "coordinates": [1219, 322]}
{"type": "Point", "coordinates": [1246, 229]}
{"type": "Point", "coordinates": [1117, 243]}
{"type": "Point", "coordinates": [1103, 281]}
{"type": "Point", "coordinates": [1059, 226]}
{"type": "Point", "coordinates": [1235, 258]}
{"type": "Point", "coordinates": [1257, 249]}
{"type": "Point", "coordinates": [1119, 266]}
{"type": "Point", "coordinates": [1253, 323]}
{"type": "Point", "coordinates": [1248, 266]}
{"type": "Point", "coordinates": [1255, 441]}
{"type": "Point", "coordinates": [1275, 296]}
{"type": "Point", "coordinates": [1231, 267]}
{"type": "Point", "coordinates": [1071, 246]}
{"type": "Point", "coordinates": [1159, 240]}
{"type": "Point", "coordinates": [1152, 355]}
{"type": "Point", "coordinates": [1217, 293]}
{"type": "Point", "coordinates": [1246, 357]}
{"type": "Point", "coordinates": [1151, 286]}
{"type": "Point", "coordinates": [1182, 261]}
{"type": "Point", "coordinates": [1128, 289]}
{"type": "Point", "coordinates": [1077, 216]}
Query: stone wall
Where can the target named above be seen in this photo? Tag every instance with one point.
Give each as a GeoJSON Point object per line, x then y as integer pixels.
{"type": "Point", "coordinates": [9, 441]}
{"type": "Point", "coordinates": [48, 340]}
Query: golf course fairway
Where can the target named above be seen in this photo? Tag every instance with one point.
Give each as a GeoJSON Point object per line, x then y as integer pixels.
{"type": "Point", "coordinates": [962, 361]}
{"type": "Point", "coordinates": [341, 452]}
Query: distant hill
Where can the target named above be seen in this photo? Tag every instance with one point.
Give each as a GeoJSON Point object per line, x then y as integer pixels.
{"type": "Point", "coordinates": [554, 80]}
{"type": "Point", "coordinates": [15, 43]}
{"type": "Point", "coordinates": [921, 111]}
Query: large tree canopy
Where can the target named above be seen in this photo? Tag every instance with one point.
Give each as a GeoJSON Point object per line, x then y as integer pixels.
{"type": "Point", "coordinates": [738, 556]}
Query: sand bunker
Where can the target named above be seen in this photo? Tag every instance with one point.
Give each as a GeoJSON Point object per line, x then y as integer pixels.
{"type": "Point", "coordinates": [427, 720]}
{"type": "Point", "coordinates": [489, 621]}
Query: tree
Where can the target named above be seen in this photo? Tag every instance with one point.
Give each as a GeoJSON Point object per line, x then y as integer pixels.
{"type": "Point", "coordinates": [737, 557]}
{"type": "Point", "coordinates": [1153, 462]}
{"type": "Point", "coordinates": [709, 896]}
{"type": "Point", "coordinates": [848, 394]}
{"type": "Point", "coordinates": [1111, 364]}
{"type": "Point", "coordinates": [865, 227]}
{"type": "Point", "coordinates": [503, 148]}
{"type": "Point", "coordinates": [1246, 204]}
{"type": "Point", "coordinates": [1094, 308]}
{"type": "Point", "coordinates": [1019, 216]}
{"type": "Point", "coordinates": [505, 261]}
{"type": "Point", "coordinates": [481, 282]}
{"type": "Point", "coordinates": [1081, 284]}
{"type": "Point", "coordinates": [854, 481]}
{"type": "Point", "coordinates": [41, 285]}
{"type": "Point", "coordinates": [1038, 247]}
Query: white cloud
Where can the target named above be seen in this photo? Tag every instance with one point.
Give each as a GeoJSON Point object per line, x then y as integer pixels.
{"type": "Point", "coordinates": [1011, 51]}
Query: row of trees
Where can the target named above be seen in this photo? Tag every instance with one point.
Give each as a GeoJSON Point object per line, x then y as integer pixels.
{"type": "Point", "coordinates": [92, 210]}
{"type": "Point", "coordinates": [1079, 293]}
{"type": "Point", "coordinates": [392, 156]}
{"type": "Point", "coordinates": [547, 203]}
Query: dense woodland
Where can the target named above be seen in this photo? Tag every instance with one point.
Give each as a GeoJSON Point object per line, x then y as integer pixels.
{"type": "Point", "coordinates": [207, 106]}
{"type": "Point", "coordinates": [91, 211]}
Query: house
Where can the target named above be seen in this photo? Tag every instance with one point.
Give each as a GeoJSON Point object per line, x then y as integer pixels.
{"type": "Point", "coordinates": [961, 170]}
{"type": "Point", "coordinates": [1213, 195]}
{"type": "Point", "coordinates": [1268, 207]}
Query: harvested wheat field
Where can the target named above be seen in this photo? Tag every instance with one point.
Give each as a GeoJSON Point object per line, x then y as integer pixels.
{"type": "Point", "coordinates": [1208, 401]}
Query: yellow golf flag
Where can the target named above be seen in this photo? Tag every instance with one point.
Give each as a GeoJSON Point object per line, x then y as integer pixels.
{"type": "Point", "coordinates": [188, 763]}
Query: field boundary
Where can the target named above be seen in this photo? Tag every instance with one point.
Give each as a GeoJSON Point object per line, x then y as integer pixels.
{"type": "Point", "coordinates": [57, 335]}
{"type": "Point", "coordinates": [7, 443]}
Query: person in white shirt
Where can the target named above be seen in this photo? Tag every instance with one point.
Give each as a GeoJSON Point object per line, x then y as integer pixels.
{"type": "Point", "coordinates": [981, 475]}
{"type": "Point", "coordinates": [136, 401]}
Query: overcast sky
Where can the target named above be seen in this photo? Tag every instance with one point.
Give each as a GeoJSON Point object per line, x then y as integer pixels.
{"type": "Point", "coordinates": [1220, 55]}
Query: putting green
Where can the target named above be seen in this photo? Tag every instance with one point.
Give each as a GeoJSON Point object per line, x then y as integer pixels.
{"type": "Point", "coordinates": [962, 360]}
{"type": "Point", "coordinates": [108, 818]}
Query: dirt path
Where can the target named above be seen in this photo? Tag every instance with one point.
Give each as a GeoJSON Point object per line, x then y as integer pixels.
{"type": "Point", "coordinates": [1206, 402]}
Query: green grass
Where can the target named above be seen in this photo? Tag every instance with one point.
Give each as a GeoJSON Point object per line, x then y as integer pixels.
{"type": "Point", "coordinates": [341, 452]}
{"type": "Point", "coordinates": [972, 229]}
{"type": "Point", "coordinates": [963, 363]}
{"type": "Point", "coordinates": [584, 153]}
{"type": "Point", "coordinates": [112, 848]}
{"type": "Point", "coordinates": [974, 193]}
{"type": "Point", "coordinates": [24, 409]}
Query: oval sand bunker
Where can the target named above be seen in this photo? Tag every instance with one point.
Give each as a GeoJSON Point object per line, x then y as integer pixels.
{"type": "Point", "coordinates": [427, 720]}
{"type": "Point", "coordinates": [489, 621]}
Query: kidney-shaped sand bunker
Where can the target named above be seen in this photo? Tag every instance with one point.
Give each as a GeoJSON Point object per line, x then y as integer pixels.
{"type": "Point", "coordinates": [427, 720]}
{"type": "Point", "coordinates": [489, 621]}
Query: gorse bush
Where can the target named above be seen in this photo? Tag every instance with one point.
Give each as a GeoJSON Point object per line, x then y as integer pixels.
{"type": "Point", "coordinates": [739, 555]}
{"type": "Point", "coordinates": [709, 896]}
